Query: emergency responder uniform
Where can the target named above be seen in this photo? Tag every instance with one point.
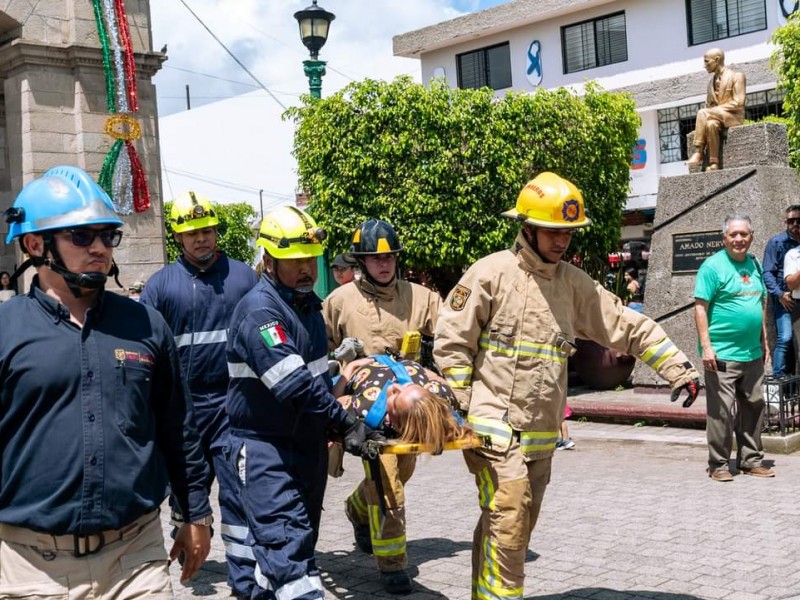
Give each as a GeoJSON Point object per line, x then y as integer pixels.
{"type": "Point", "coordinates": [502, 341]}
{"type": "Point", "coordinates": [380, 316]}
{"type": "Point", "coordinates": [278, 398]}
{"type": "Point", "coordinates": [197, 303]}
{"type": "Point", "coordinates": [96, 419]}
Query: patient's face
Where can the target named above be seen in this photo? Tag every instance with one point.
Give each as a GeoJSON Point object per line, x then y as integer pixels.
{"type": "Point", "coordinates": [400, 398]}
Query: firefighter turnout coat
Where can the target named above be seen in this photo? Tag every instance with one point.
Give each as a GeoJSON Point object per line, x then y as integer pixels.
{"type": "Point", "coordinates": [506, 330]}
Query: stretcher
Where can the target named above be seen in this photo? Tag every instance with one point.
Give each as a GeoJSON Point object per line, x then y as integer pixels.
{"type": "Point", "coordinates": [376, 448]}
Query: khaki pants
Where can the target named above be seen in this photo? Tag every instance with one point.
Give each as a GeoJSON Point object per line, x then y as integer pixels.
{"type": "Point", "coordinates": [510, 493]}
{"type": "Point", "coordinates": [740, 386]}
{"type": "Point", "coordinates": [37, 566]}
{"type": "Point", "coordinates": [388, 532]}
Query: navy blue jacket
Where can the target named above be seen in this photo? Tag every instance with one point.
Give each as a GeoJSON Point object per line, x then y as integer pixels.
{"type": "Point", "coordinates": [197, 305]}
{"type": "Point", "coordinates": [278, 367]}
{"type": "Point", "coordinates": [774, 253]}
{"type": "Point", "coordinates": [93, 420]}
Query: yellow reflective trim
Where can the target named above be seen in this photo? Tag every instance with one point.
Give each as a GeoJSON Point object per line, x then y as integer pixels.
{"type": "Point", "coordinates": [523, 348]}
{"type": "Point", "coordinates": [358, 502]}
{"type": "Point", "coordinates": [383, 246]}
{"type": "Point", "coordinates": [537, 441]}
{"type": "Point", "coordinates": [490, 583]}
{"type": "Point", "coordinates": [490, 427]}
{"type": "Point", "coordinates": [458, 377]}
{"type": "Point", "coordinates": [486, 489]}
{"type": "Point", "coordinates": [656, 355]}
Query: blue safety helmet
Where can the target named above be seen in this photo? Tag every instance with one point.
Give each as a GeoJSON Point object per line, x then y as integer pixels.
{"type": "Point", "coordinates": [62, 198]}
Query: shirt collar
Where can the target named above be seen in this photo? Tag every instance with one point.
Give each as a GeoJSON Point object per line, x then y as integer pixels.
{"type": "Point", "coordinates": [530, 261]}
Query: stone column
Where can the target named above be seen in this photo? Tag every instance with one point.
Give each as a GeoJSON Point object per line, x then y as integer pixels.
{"type": "Point", "coordinates": [690, 210]}
{"type": "Point", "coordinates": [54, 111]}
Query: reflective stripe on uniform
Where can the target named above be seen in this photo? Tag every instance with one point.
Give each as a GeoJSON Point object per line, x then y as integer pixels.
{"type": "Point", "coordinates": [458, 377]}
{"type": "Point", "coordinates": [218, 336]}
{"type": "Point", "coordinates": [523, 348]}
{"type": "Point", "coordinates": [282, 370]}
{"type": "Point", "coordinates": [492, 428]}
{"type": "Point", "coordinates": [537, 441]}
{"type": "Point", "coordinates": [656, 354]}
{"type": "Point", "coordinates": [237, 532]}
{"type": "Point", "coordinates": [238, 550]}
{"type": "Point", "coordinates": [261, 580]}
{"type": "Point", "coordinates": [486, 489]}
{"type": "Point", "coordinates": [298, 587]}
{"type": "Point", "coordinates": [241, 371]}
{"type": "Point", "coordinates": [319, 366]}
{"type": "Point", "coordinates": [490, 584]}
{"type": "Point", "coordinates": [395, 546]}
{"type": "Point", "coordinates": [358, 503]}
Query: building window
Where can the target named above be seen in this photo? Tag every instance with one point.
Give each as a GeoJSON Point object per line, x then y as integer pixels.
{"type": "Point", "coordinates": [485, 67]}
{"type": "Point", "coordinates": [674, 124]}
{"type": "Point", "coordinates": [711, 20]}
{"type": "Point", "coordinates": [594, 43]}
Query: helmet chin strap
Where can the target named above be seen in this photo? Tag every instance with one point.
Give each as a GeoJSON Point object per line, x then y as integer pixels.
{"type": "Point", "coordinates": [529, 233]}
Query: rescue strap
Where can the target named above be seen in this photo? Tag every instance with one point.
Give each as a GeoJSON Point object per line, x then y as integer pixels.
{"type": "Point", "coordinates": [376, 448]}
{"type": "Point", "coordinates": [377, 412]}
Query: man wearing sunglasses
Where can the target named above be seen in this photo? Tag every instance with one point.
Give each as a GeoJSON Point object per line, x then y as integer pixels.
{"type": "Point", "coordinates": [96, 420]}
{"type": "Point", "coordinates": [781, 301]}
{"type": "Point", "coordinates": [196, 295]}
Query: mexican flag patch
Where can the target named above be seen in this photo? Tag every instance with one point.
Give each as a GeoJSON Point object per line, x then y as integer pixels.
{"type": "Point", "coordinates": [272, 333]}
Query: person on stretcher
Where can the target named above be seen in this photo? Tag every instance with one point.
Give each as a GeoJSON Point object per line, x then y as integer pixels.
{"type": "Point", "coordinates": [406, 402]}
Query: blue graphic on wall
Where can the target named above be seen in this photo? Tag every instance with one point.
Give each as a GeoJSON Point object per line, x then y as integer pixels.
{"type": "Point", "coordinates": [534, 71]}
{"type": "Point", "coordinates": [639, 155]}
{"type": "Point", "coordinates": [786, 8]}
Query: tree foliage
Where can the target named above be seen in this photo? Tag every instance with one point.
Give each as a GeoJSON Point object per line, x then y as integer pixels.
{"type": "Point", "coordinates": [441, 164]}
{"type": "Point", "coordinates": [235, 231]}
{"type": "Point", "coordinates": [786, 63]}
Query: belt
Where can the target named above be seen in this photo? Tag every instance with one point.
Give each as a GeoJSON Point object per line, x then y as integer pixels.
{"type": "Point", "coordinates": [79, 545]}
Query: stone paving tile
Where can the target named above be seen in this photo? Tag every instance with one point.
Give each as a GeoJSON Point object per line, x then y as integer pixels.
{"type": "Point", "coordinates": [622, 519]}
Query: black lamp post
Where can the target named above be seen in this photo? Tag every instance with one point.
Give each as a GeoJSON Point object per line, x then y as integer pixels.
{"type": "Point", "coordinates": [314, 24]}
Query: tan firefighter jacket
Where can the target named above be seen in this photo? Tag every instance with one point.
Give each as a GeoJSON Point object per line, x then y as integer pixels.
{"type": "Point", "coordinates": [379, 316]}
{"type": "Point", "coordinates": [506, 330]}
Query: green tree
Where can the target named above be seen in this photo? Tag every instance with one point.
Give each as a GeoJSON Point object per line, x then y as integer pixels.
{"type": "Point", "coordinates": [786, 64]}
{"type": "Point", "coordinates": [441, 164]}
{"type": "Point", "coordinates": [235, 231]}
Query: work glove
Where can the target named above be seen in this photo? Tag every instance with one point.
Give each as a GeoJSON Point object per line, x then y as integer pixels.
{"type": "Point", "coordinates": [356, 434]}
{"type": "Point", "coordinates": [692, 387]}
{"type": "Point", "coordinates": [350, 349]}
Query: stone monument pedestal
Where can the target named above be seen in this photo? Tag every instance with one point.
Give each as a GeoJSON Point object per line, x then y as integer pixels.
{"type": "Point", "coordinates": [690, 210]}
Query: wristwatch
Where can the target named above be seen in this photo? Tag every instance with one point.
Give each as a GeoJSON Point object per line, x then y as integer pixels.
{"type": "Point", "coordinates": [207, 521]}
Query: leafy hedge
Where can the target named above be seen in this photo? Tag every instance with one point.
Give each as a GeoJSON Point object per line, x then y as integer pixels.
{"type": "Point", "coordinates": [440, 164]}
{"type": "Point", "coordinates": [786, 63]}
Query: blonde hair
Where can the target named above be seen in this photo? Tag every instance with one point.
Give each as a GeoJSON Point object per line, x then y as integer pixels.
{"type": "Point", "coordinates": [430, 421]}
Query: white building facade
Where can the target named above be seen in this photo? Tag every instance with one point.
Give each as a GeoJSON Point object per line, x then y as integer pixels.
{"type": "Point", "coordinates": [652, 49]}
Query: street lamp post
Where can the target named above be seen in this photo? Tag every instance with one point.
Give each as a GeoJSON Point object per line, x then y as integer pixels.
{"type": "Point", "coordinates": [314, 24]}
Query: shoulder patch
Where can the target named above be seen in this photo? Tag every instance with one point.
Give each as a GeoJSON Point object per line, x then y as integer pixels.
{"type": "Point", "coordinates": [272, 333]}
{"type": "Point", "coordinates": [458, 299]}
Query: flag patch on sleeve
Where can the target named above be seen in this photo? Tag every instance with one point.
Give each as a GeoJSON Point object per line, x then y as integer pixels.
{"type": "Point", "coordinates": [272, 333]}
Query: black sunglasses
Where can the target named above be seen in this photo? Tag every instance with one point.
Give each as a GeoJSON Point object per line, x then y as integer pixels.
{"type": "Point", "coordinates": [793, 221]}
{"type": "Point", "coordinates": [85, 237]}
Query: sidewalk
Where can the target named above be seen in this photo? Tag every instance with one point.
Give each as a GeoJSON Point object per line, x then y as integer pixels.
{"type": "Point", "coordinates": [630, 514]}
{"type": "Point", "coordinates": [647, 407]}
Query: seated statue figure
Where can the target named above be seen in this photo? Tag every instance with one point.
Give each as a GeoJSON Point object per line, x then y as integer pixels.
{"type": "Point", "coordinates": [724, 108]}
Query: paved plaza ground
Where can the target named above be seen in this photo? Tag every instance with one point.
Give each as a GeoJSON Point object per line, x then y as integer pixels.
{"type": "Point", "coordinates": [629, 514]}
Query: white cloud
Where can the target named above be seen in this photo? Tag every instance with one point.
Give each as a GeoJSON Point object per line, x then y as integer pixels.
{"type": "Point", "coordinates": [264, 36]}
{"type": "Point", "coordinates": [231, 149]}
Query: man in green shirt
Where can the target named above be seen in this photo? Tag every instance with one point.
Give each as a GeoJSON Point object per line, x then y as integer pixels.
{"type": "Point", "coordinates": [730, 300]}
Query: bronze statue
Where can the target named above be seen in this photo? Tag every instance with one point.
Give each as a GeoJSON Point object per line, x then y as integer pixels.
{"type": "Point", "coordinates": [724, 108]}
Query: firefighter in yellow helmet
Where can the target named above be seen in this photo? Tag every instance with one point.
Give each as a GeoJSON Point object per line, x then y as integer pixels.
{"type": "Point", "coordinates": [281, 409]}
{"type": "Point", "coordinates": [196, 295]}
{"type": "Point", "coordinates": [388, 315]}
{"type": "Point", "coordinates": [502, 342]}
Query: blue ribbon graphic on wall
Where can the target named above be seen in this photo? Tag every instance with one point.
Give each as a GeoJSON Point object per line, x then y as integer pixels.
{"type": "Point", "coordinates": [534, 72]}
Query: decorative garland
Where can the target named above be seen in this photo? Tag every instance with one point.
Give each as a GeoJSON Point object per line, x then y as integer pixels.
{"type": "Point", "coordinates": [122, 175]}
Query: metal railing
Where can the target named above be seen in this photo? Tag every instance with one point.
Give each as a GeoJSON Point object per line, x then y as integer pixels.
{"type": "Point", "coordinates": [782, 397]}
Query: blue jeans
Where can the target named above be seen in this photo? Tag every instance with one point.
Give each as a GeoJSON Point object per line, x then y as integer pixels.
{"type": "Point", "coordinates": [783, 337]}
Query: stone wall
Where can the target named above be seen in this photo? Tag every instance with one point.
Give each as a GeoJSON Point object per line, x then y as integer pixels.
{"type": "Point", "coordinates": [53, 111]}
